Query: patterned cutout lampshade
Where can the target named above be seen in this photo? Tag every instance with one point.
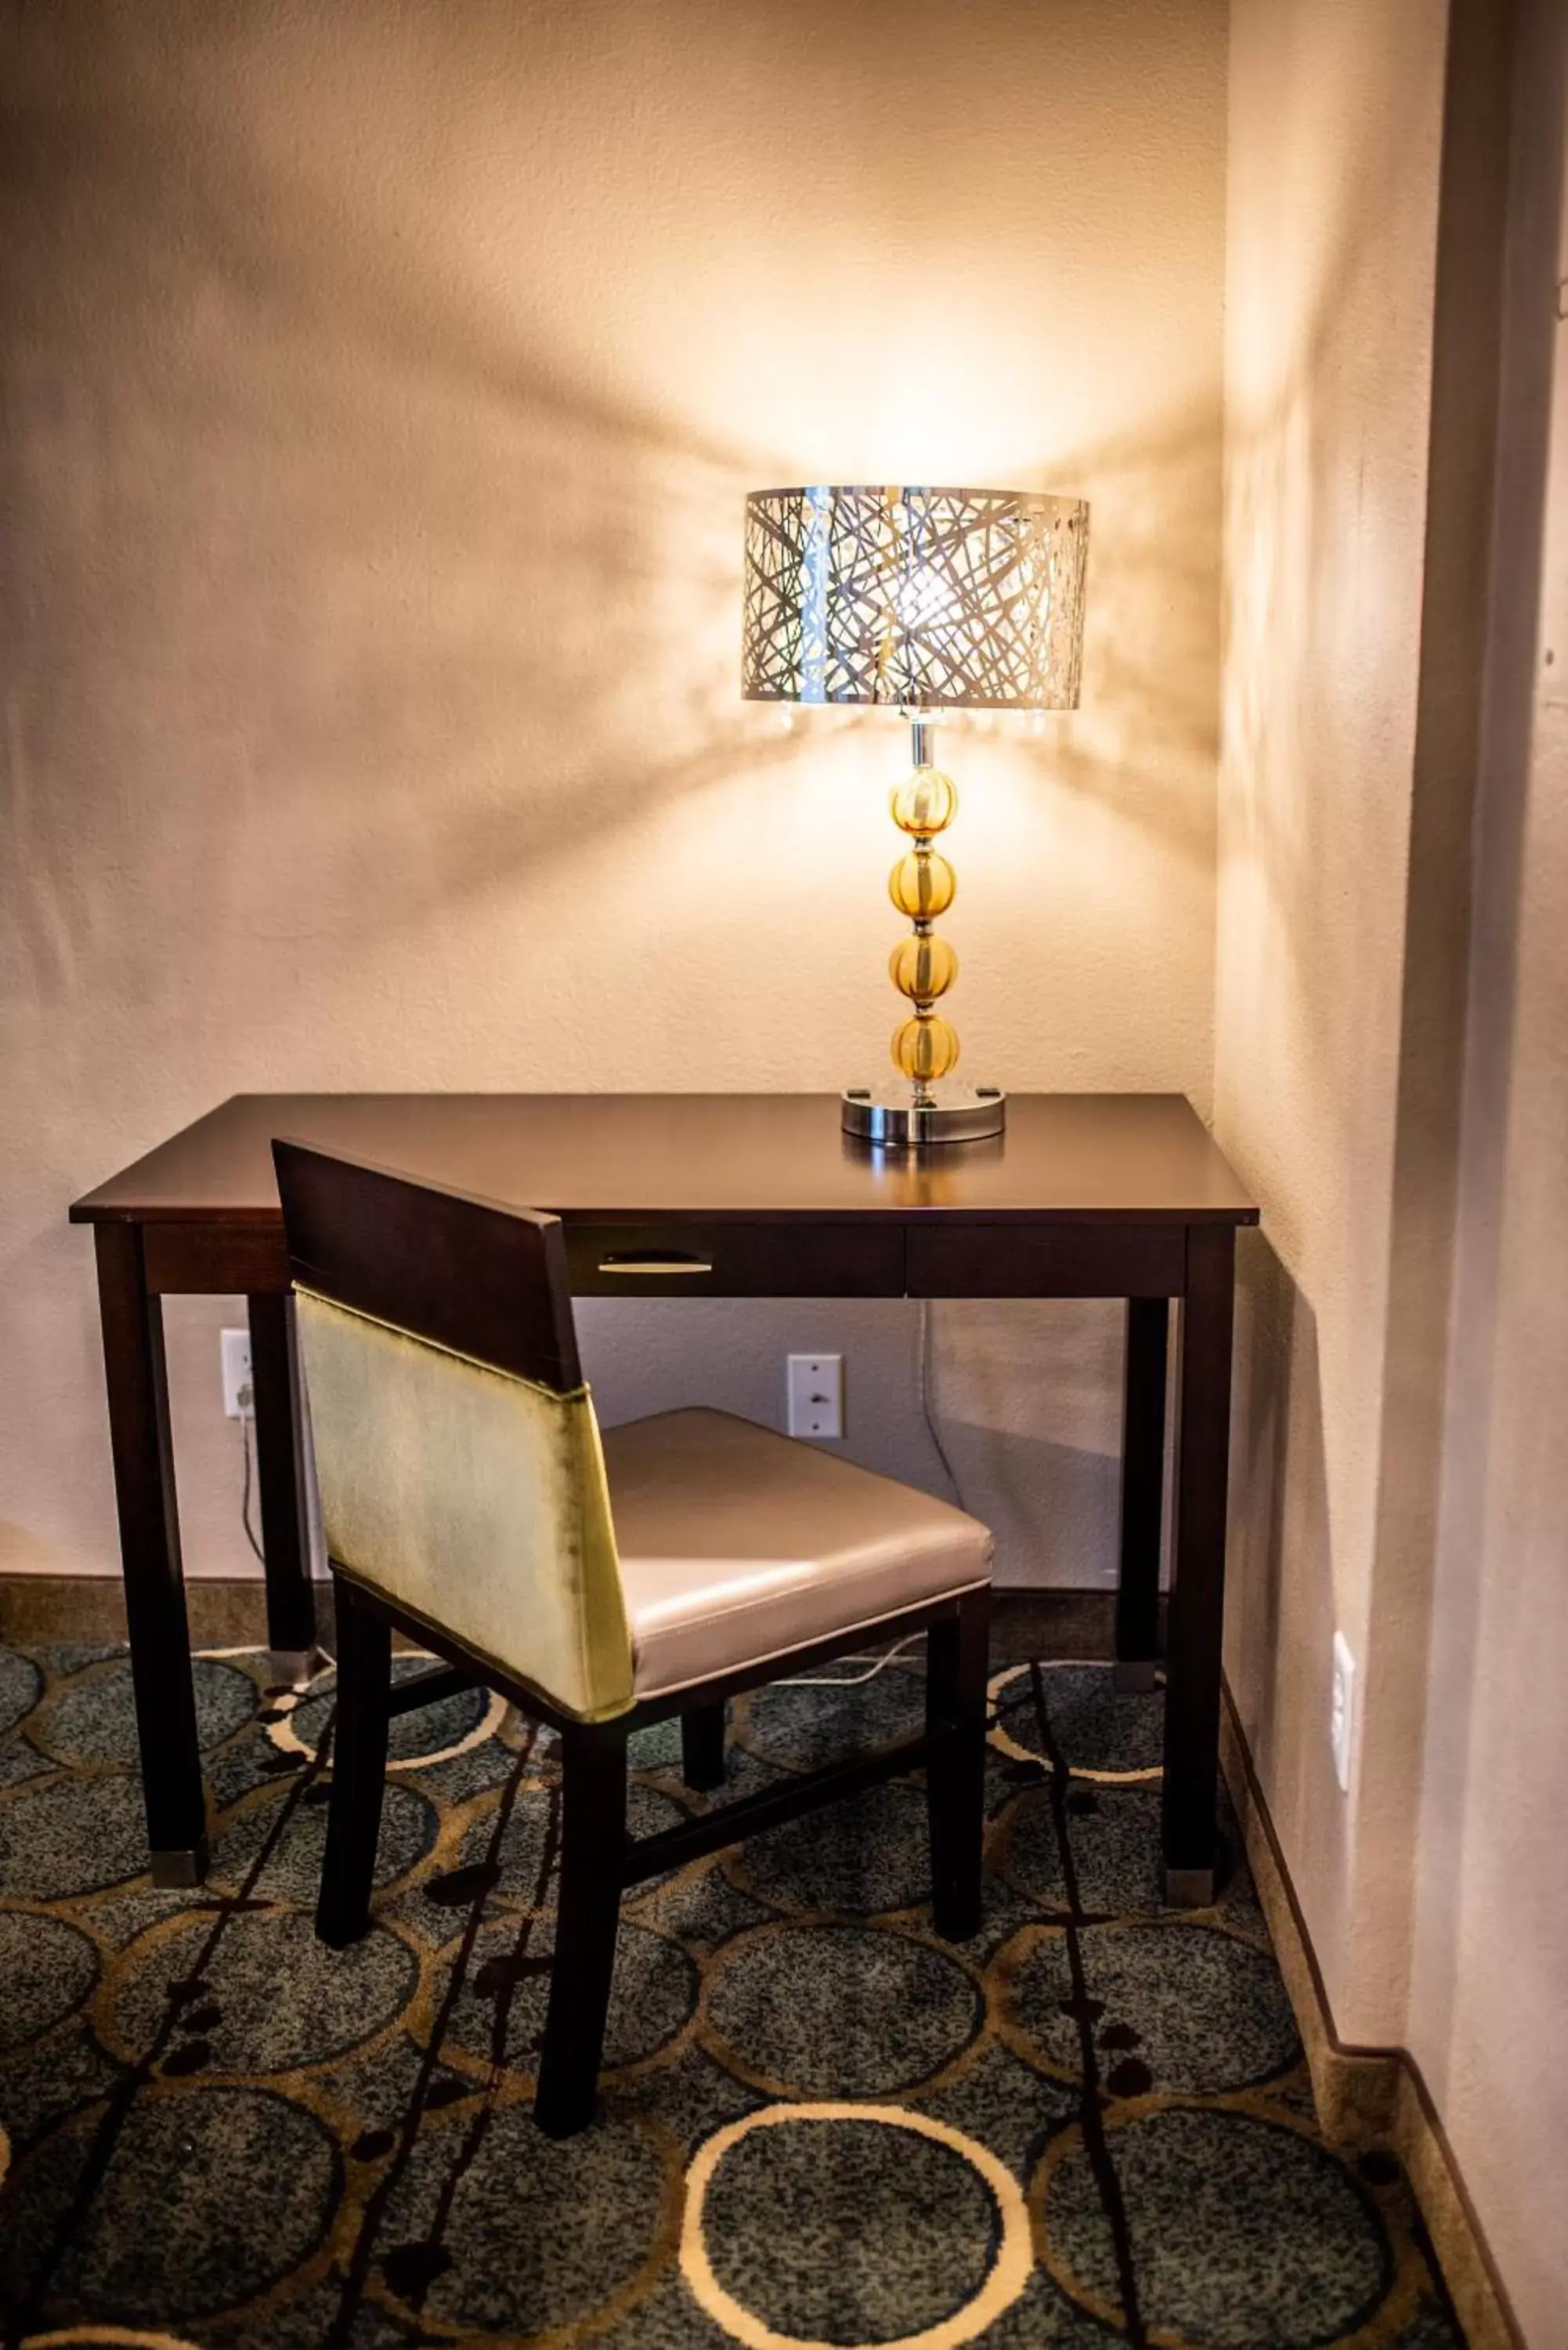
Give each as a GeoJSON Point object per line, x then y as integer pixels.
{"type": "Point", "coordinates": [924, 599]}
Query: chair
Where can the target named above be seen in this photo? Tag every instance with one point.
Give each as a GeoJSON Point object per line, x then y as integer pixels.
{"type": "Point", "coordinates": [470, 1504]}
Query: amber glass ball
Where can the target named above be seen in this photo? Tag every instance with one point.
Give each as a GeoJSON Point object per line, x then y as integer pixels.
{"type": "Point", "coordinates": [922, 968]}
{"type": "Point", "coordinates": [922, 885]}
{"type": "Point", "coordinates": [925, 1049]}
{"type": "Point", "coordinates": [924, 803]}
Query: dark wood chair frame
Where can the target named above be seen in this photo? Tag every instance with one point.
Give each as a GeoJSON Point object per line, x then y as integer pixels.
{"type": "Point", "coordinates": [491, 1282]}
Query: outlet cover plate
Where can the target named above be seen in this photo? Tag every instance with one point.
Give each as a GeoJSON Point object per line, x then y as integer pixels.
{"type": "Point", "coordinates": [815, 1392]}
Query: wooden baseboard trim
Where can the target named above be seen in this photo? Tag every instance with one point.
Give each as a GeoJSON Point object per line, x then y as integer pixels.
{"type": "Point", "coordinates": [232, 1613]}
{"type": "Point", "coordinates": [228, 1614]}
{"type": "Point", "coordinates": [1368, 2097]}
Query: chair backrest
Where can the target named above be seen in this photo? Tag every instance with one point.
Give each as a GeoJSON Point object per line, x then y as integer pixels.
{"type": "Point", "coordinates": [456, 1448]}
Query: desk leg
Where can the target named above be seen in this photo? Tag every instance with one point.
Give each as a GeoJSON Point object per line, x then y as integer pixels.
{"type": "Point", "coordinates": [286, 1531]}
{"type": "Point", "coordinates": [138, 1383]}
{"type": "Point", "coordinates": [1198, 1587]}
{"type": "Point", "coordinates": [1143, 1492]}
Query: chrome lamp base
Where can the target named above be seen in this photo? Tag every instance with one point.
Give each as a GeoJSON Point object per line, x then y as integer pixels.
{"type": "Point", "coordinates": [907, 1116]}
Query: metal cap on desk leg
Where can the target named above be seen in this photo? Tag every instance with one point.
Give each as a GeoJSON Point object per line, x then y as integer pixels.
{"type": "Point", "coordinates": [1188, 1888]}
{"type": "Point", "coordinates": [172, 1872]}
{"type": "Point", "coordinates": [1133, 1677]}
{"type": "Point", "coordinates": [294, 1666]}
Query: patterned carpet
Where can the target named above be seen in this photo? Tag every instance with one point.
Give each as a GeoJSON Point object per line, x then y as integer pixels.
{"type": "Point", "coordinates": [822, 2125]}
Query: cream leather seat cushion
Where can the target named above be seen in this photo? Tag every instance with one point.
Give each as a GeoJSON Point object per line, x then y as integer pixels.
{"type": "Point", "coordinates": [737, 1544]}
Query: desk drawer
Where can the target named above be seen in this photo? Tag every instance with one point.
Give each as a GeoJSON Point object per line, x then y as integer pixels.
{"type": "Point", "coordinates": [859, 1260]}
{"type": "Point", "coordinates": [215, 1260]}
{"type": "Point", "coordinates": [1048, 1261]}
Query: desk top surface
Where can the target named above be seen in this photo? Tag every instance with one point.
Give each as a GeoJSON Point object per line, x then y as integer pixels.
{"type": "Point", "coordinates": [624, 1158]}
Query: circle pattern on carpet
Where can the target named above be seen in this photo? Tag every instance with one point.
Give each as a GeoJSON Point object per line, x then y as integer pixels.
{"type": "Point", "coordinates": [531, 1836]}
{"type": "Point", "coordinates": [21, 1686]}
{"type": "Point", "coordinates": [812, 2011]}
{"type": "Point", "coordinates": [415, 1741]}
{"type": "Point", "coordinates": [334, 1999]}
{"type": "Point", "coordinates": [1190, 2008]}
{"type": "Point", "coordinates": [300, 2146]}
{"type": "Point", "coordinates": [245, 2184]}
{"type": "Point", "coordinates": [1116, 1850]}
{"type": "Point", "coordinates": [519, 2196]}
{"type": "Point", "coordinates": [1100, 1732]}
{"type": "Point", "coordinates": [46, 1968]}
{"type": "Point", "coordinates": [1243, 2230]}
{"type": "Point", "coordinates": [883, 2226]}
{"type": "Point", "coordinates": [93, 1718]}
{"type": "Point", "coordinates": [66, 1837]}
{"type": "Point", "coordinates": [104, 2337]}
{"type": "Point", "coordinates": [803, 1728]}
{"type": "Point", "coordinates": [866, 1856]}
{"type": "Point", "coordinates": [292, 1870]}
{"type": "Point", "coordinates": [653, 1994]}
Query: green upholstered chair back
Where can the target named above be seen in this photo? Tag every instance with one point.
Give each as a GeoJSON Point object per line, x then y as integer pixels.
{"type": "Point", "coordinates": [457, 1452]}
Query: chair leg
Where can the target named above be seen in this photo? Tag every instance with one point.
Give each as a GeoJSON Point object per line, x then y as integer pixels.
{"type": "Point", "coordinates": [702, 1747]}
{"type": "Point", "coordinates": [588, 1914]}
{"type": "Point", "coordinates": [359, 1768]}
{"type": "Point", "coordinates": [957, 1656]}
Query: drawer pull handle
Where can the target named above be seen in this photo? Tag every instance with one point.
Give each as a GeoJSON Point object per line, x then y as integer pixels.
{"type": "Point", "coordinates": [654, 1264]}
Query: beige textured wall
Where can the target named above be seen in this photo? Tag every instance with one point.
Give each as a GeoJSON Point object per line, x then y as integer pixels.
{"type": "Point", "coordinates": [1389, 1057]}
{"type": "Point", "coordinates": [380, 386]}
{"type": "Point", "coordinates": [1334, 153]}
{"type": "Point", "coordinates": [1488, 1992]}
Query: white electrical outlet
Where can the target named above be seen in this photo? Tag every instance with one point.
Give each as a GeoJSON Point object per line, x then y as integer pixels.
{"type": "Point", "coordinates": [814, 1387]}
{"type": "Point", "coordinates": [238, 1393]}
{"type": "Point", "coordinates": [1342, 1710]}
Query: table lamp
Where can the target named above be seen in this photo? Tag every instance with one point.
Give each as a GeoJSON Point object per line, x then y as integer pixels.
{"type": "Point", "coordinates": [924, 599]}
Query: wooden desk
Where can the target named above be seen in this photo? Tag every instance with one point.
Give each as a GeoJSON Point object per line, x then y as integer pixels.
{"type": "Point", "coordinates": [710, 1195]}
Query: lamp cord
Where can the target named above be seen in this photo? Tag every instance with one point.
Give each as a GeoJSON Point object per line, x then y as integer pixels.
{"type": "Point", "coordinates": [851, 1680]}
{"type": "Point", "coordinates": [927, 1409]}
{"type": "Point", "coordinates": [245, 1489]}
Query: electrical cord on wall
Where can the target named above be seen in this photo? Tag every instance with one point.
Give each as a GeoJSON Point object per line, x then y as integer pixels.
{"type": "Point", "coordinates": [927, 1408]}
{"type": "Point", "coordinates": [852, 1681]}
{"type": "Point", "coordinates": [245, 1399]}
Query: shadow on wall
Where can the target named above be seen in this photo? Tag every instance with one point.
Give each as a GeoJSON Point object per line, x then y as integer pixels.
{"type": "Point", "coordinates": [1279, 1518]}
{"type": "Point", "coordinates": [1025, 1399]}
{"type": "Point", "coordinates": [1304, 1033]}
{"type": "Point", "coordinates": [385, 386]}
{"type": "Point", "coordinates": [1146, 739]}
{"type": "Point", "coordinates": [1496, 1269]}
{"type": "Point", "coordinates": [1053, 1508]}
{"type": "Point", "coordinates": [333, 420]}
{"type": "Point", "coordinates": [1347, 946]}
{"type": "Point", "coordinates": [348, 417]}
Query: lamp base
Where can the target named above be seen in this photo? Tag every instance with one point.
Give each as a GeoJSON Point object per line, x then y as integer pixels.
{"type": "Point", "coordinates": [891, 1116]}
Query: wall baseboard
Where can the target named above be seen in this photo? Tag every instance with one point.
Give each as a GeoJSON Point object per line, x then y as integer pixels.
{"type": "Point", "coordinates": [1368, 2097]}
{"type": "Point", "coordinates": [230, 1613]}
{"type": "Point", "coordinates": [222, 1614]}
